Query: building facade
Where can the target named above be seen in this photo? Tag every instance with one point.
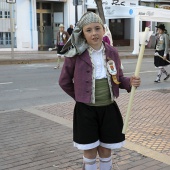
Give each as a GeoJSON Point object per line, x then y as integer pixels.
{"type": "Point", "coordinates": [35, 22]}
{"type": "Point", "coordinates": [120, 16]}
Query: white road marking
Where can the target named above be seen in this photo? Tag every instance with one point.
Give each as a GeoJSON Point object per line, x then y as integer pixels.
{"type": "Point", "coordinates": [132, 62]}
{"type": "Point", "coordinates": [11, 90]}
{"type": "Point", "coordinates": [35, 65]}
{"type": "Point", "coordinates": [30, 89]}
{"type": "Point", "coordinates": [143, 72]}
{"type": "Point", "coordinates": [20, 90]}
{"type": "Point", "coordinates": [6, 83]}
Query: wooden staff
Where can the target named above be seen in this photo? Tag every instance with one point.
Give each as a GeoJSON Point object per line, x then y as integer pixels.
{"type": "Point", "coordinates": [162, 57]}
{"type": "Point", "coordinates": [138, 66]}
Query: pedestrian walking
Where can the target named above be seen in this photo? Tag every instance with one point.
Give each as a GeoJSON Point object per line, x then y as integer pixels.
{"type": "Point", "coordinates": [107, 37]}
{"type": "Point", "coordinates": [162, 45]}
{"type": "Point", "coordinates": [92, 76]}
{"type": "Point", "coordinates": [70, 30]}
{"type": "Point", "coordinates": [62, 38]}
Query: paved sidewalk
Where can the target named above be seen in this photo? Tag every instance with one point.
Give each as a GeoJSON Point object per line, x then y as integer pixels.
{"type": "Point", "coordinates": [40, 138]}
{"type": "Point", "coordinates": [29, 57]}
{"type": "Point", "coordinates": [149, 124]}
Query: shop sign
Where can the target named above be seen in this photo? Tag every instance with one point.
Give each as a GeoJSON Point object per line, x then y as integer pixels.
{"type": "Point", "coordinates": [118, 12]}
{"type": "Point", "coordinates": [56, 0]}
{"type": "Point", "coordinates": [11, 1]}
{"type": "Point", "coordinates": [114, 2]}
{"type": "Point", "coordinates": [147, 13]}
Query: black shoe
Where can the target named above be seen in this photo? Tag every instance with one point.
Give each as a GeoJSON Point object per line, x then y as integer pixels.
{"type": "Point", "coordinates": [157, 81]}
{"type": "Point", "coordinates": [167, 77]}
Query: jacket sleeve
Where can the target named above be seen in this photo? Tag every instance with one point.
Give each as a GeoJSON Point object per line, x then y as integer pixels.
{"type": "Point", "coordinates": [125, 81]}
{"type": "Point", "coordinates": [166, 44]}
{"type": "Point", "coordinates": [57, 39]}
{"type": "Point", "coordinates": [66, 77]}
{"type": "Point", "coordinates": [67, 35]}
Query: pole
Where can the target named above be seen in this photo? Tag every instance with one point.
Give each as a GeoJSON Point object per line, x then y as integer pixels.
{"type": "Point", "coordinates": [162, 58]}
{"type": "Point", "coordinates": [12, 31]}
{"type": "Point", "coordinates": [138, 66]}
{"type": "Point", "coordinates": [76, 18]}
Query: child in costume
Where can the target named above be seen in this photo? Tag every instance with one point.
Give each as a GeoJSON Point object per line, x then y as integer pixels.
{"type": "Point", "coordinates": [92, 76]}
{"type": "Point", "coordinates": [62, 37]}
{"type": "Point", "coordinates": [162, 46]}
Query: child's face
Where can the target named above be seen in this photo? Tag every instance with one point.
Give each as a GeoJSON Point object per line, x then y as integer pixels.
{"type": "Point", "coordinates": [93, 34]}
{"type": "Point", "coordinates": [61, 29]}
{"type": "Point", "coordinates": [160, 31]}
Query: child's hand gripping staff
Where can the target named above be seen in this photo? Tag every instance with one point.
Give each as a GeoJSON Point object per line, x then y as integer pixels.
{"type": "Point", "coordinates": [138, 66]}
{"type": "Point", "coordinates": [112, 70]}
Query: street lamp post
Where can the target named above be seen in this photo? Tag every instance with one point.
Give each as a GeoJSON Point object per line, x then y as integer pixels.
{"type": "Point", "coordinates": [11, 2]}
{"type": "Point", "coordinates": [12, 31]}
{"type": "Point", "coordinates": [76, 3]}
{"type": "Point", "coordinates": [76, 17]}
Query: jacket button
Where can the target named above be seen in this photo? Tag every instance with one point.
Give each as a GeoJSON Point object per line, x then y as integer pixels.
{"type": "Point", "coordinates": [88, 71]}
{"type": "Point", "coordinates": [87, 91]}
{"type": "Point", "coordinates": [87, 81]}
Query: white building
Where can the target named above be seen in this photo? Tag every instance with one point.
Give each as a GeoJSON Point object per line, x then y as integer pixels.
{"type": "Point", "coordinates": [36, 21]}
{"type": "Point", "coordinates": [126, 19]}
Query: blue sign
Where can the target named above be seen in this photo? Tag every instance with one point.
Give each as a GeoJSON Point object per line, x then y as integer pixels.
{"type": "Point", "coordinates": [131, 11]}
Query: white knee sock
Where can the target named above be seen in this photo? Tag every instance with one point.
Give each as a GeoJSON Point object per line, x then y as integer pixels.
{"type": "Point", "coordinates": [159, 75]}
{"type": "Point", "coordinates": [106, 163]}
{"type": "Point", "coordinates": [164, 71]}
{"type": "Point", "coordinates": [89, 164]}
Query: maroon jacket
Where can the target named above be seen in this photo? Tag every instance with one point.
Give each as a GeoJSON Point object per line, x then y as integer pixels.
{"type": "Point", "coordinates": [76, 75]}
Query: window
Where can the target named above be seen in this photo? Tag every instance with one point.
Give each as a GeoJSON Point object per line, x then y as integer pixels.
{"type": "Point", "coordinates": [8, 38]}
{"type": "Point", "coordinates": [38, 5]}
{"type": "Point", "coordinates": [5, 38]}
{"type": "Point", "coordinates": [1, 38]}
{"type": "Point", "coordinates": [46, 6]}
{"type": "Point", "coordinates": [7, 14]}
{"type": "Point", "coordinates": [0, 14]}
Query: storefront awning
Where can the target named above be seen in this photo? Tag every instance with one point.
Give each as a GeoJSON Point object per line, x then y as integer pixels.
{"type": "Point", "coordinates": [52, 0]}
{"type": "Point", "coordinates": [144, 13]}
{"type": "Point", "coordinates": [140, 13]}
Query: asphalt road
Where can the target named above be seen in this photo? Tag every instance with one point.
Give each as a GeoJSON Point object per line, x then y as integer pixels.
{"type": "Point", "coordinates": [37, 84]}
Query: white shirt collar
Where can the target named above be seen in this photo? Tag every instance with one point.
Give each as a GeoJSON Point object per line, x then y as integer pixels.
{"type": "Point", "coordinates": [92, 50]}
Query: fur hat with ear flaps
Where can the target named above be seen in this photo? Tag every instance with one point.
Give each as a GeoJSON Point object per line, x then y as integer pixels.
{"type": "Point", "coordinates": [77, 41]}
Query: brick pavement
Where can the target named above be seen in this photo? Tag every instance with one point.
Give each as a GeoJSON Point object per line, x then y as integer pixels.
{"type": "Point", "coordinates": [149, 124]}
{"type": "Point", "coordinates": [31, 142]}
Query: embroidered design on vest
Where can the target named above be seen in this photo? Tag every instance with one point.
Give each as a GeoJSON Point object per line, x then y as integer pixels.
{"type": "Point", "coordinates": [111, 67]}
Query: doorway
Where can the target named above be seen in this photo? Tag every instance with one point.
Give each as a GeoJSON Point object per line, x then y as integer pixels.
{"type": "Point", "coordinates": [44, 25]}
{"type": "Point", "coordinates": [117, 28]}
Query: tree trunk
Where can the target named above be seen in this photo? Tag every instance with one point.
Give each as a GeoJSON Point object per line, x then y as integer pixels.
{"type": "Point", "coordinates": [100, 9]}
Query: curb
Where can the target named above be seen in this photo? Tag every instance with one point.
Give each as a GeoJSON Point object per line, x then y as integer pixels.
{"type": "Point", "coordinates": [53, 60]}
{"type": "Point", "coordinates": [26, 61]}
